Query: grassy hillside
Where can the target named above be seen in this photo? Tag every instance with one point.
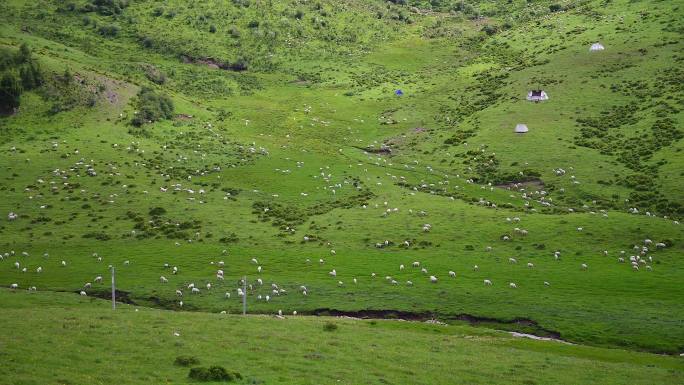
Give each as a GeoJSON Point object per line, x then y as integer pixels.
{"type": "Point", "coordinates": [277, 149]}
{"type": "Point", "coordinates": [132, 346]}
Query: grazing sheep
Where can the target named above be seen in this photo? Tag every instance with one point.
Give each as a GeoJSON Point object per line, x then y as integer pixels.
{"type": "Point", "coordinates": [83, 293]}
{"type": "Point", "coordinates": [423, 270]}
{"type": "Point", "coordinates": [416, 264]}
{"type": "Point", "coordinates": [512, 285]}
{"type": "Point", "coordinates": [175, 270]}
{"type": "Point", "coordinates": [401, 267]}
{"type": "Point", "coordinates": [584, 266]}
{"type": "Point", "coordinates": [333, 273]}
{"type": "Point", "coordinates": [208, 286]}
{"type": "Point", "coordinates": [227, 295]}
{"type": "Point", "coordinates": [476, 268]}
{"type": "Point", "coordinates": [452, 274]}
{"type": "Point", "coordinates": [64, 263]}
{"type": "Point", "coordinates": [258, 269]}
{"type": "Point", "coordinates": [254, 261]}
{"type": "Point", "coordinates": [14, 286]}
{"type": "Point", "coordinates": [512, 260]}
{"type": "Point", "coordinates": [88, 285]}
{"type": "Point", "coordinates": [433, 279]}
{"type": "Point", "coordinates": [179, 293]}
{"type": "Point", "coordinates": [39, 270]}
{"type": "Point", "coordinates": [409, 283]}
{"type": "Point", "coordinates": [530, 265]}
{"type": "Point", "coordinates": [546, 283]}
{"type": "Point", "coordinates": [621, 260]}
{"type": "Point", "coordinates": [195, 290]}
{"type": "Point", "coordinates": [487, 282]}
{"type": "Point", "coordinates": [354, 281]}
{"type": "Point", "coordinates": [649, 268]}
{"type": "Point", "coordinates": [268, 298]}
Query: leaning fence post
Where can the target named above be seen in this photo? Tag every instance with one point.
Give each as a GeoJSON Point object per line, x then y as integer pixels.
{"type": "Point", "coordinates": [113, 291]}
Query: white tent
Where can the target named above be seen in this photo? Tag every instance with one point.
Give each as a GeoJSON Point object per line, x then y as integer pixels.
{"type": "Point", "coordinates": [537, 96]}
{"type": "Point", "coordinates": [521, 128]}
{"type": "Point", "coordinates": [596, 47]}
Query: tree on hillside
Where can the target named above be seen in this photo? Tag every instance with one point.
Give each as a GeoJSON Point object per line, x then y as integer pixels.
{"type": "Point", "coordinates": [10, 92]}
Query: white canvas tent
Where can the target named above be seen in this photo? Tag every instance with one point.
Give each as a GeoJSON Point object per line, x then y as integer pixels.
{"type": "Point", "coordinates": [537, 96]}
{"type": "Point", "coordinates": [596, 47]}
{"type": "Point", "coordinates": [521, 128]}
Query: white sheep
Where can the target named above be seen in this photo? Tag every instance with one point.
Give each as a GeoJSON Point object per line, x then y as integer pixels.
{"type": "Point", "coordinates": [83, 293]}
{"type": "Point", "coordinates": [584, 266]}
{"type": "Point", "coordinates": [546, 283]}
{"type": "Point", "coordinates": [512, 285]}
{"type": "Point", "coordinates": [98, 279]}
{"type": "Point", "coordinates": [530, 265]}
{"type": "Point", "coordinates": [512, 260]}
{"type": "Point", "coordinates": [179, 293]}
{"type": "Point", "coordinates": [452, 274]}
{"type": "Point", "coordinates": [487, 282]}
{"type": "Point", "coordinates": [416, 264]}
{"type": "Point", "coordinates": [14, 286]}
{"type": "Point", "coordinates": [39, 270]}
{"type": "Point", "coordinates": [401, 267]}
{"type": "Point", "coordinates": [433, 279]}
{"type": "Point", "coordinates": [195, 290]}
{"type": "Point", "coordinates": [333, 273]}
{"type": "Point", "coordinates": [227, 295]}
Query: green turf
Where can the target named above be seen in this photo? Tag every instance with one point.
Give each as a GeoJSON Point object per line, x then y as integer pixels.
{"type": "Point", "coordinates": [317, 95]}
{"type": "Point", "coordinates": [135, 345]}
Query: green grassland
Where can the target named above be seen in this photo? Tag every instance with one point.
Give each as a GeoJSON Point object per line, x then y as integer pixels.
{"type": "Point", "coordinates": [134, 345]}
{"type": "Point", "coordinates": [285, 145]}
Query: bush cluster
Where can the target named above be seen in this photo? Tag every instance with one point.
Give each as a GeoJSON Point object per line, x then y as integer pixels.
{"type": "Point", "coordinates": [20, 72]}
{"type": "Point", "coordinates": [213, 373]}
{"type": "Point", "coordinates": [152, 107]}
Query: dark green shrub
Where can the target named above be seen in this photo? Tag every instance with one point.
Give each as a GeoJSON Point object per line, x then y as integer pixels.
{"type": "Point", "coordinates": [157, 211]}
{"type": "Point", "coordinates": [152, 107]}
{"type": "Point", "coordinates": [213, 373]}
{"type": "Point", "coordinates": [555, 7]}
{"type": "Point", "coordinates": [186, 361]}
{"type": "Point", "coordinates": [330, 326]}
{"type": "Point", "coordinates": [108, 30]}
{"type": "Point", "coordinates": [10, 92]}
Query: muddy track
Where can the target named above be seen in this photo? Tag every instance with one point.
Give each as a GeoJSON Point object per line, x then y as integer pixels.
{"type": "Point", "coordinates": [494, 323]}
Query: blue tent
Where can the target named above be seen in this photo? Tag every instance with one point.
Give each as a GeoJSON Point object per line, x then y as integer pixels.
{"type": "Point", "coordinates": [398, 92]}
